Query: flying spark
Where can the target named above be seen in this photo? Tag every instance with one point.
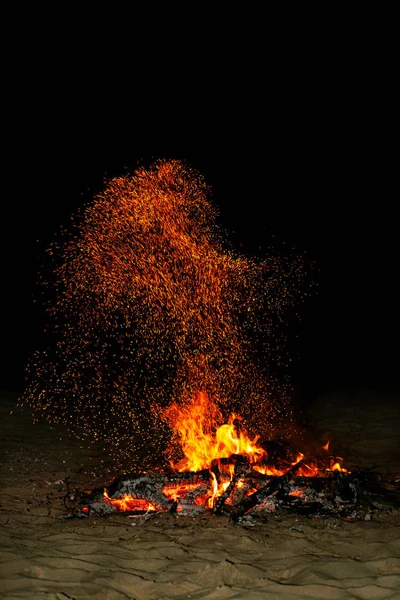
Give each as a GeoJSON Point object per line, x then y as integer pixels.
{"type": "Point", "coordinates": [152, 307]}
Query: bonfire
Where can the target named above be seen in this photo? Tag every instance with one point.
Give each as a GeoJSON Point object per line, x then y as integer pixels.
{"type": "Point", "coordinates": [224, 471]}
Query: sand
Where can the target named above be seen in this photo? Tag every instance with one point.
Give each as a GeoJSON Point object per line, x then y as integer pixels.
{"type": "Point", "coordinates": [164, 557]}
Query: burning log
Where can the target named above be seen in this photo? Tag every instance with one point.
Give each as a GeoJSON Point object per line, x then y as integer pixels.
{"type": "Point", "coordinates": [241, 469]}
{"type": "Point", "coordinates": [272, 487]}
{"type": "Point", "coordinates": [146, 487]}
{"type": "Point", "coordinates": [247, 493]}
{"type": "Point", "coordinates": [152, 482]}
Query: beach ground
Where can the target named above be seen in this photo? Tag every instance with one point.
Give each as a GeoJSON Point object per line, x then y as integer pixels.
{"type": "Point", "coordinates": [164, 557]}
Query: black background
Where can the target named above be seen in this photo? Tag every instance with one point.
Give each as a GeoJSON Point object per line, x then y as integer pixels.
{"type": "Point", "coordinates": [302, 153]}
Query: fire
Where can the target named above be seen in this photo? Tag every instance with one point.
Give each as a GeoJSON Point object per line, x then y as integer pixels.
{"type": "Point", "coordinates": [176, 492]}
{"type": "Point", "coordinates": [200, 445]}
{"type": "Point", "coordinates": [204, 444]}
{"type": "Point", "coordinates": [202, 441]}
{"type": "Point", "coordinates": [297, 492]}
{"type": "Point", "coordinates": [217, 489]}
{"type": "Point", "coordinates": [335, 465]}
{"type": "Point", "coordinates": [128, 503]}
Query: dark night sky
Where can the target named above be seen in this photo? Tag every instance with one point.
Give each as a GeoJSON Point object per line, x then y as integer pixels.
{"type": "Point", "coordinates": [311, 164]}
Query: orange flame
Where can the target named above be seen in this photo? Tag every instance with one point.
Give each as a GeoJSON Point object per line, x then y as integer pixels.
{"type": "Point", "coordinates": [128, 503]}
{"type": "Point", "coordinates": [202, 441]}
{"type": "Point", "coordinates": [194, 423]}
{"type": "Point", "coordinates": [335, 465]}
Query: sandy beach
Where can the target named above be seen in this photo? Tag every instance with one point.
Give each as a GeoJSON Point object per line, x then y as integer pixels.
{"type": "Point", "coordinates": [167, 557]}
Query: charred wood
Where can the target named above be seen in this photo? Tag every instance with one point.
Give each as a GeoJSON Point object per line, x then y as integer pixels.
{"type": "Point", "coordinates": [273, 486]}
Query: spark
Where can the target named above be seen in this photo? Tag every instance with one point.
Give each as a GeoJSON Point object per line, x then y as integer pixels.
{"type": "Point", "coordinates": [149, 306]}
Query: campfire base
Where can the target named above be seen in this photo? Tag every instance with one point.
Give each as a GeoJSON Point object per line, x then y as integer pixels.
{"type": "Point", "coordinates": [248, 494]}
